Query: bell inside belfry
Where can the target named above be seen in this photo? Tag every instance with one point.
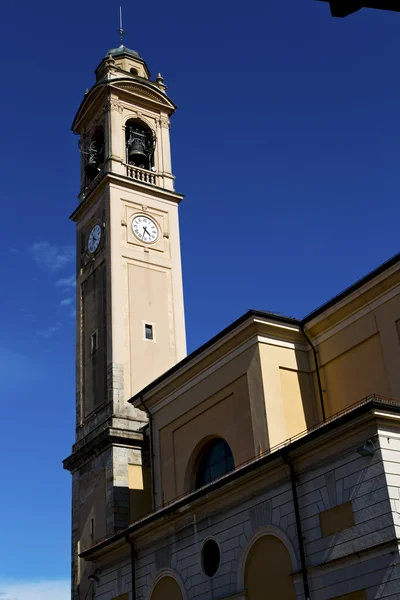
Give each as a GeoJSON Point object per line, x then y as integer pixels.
{"type": "Point", "coordinates": [139, 145]}
{"type": "Point", "coordinates": [92, 150]}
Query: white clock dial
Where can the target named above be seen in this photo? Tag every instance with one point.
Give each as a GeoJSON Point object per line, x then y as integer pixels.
{"type": "Point", "coordinates": [145, 229]}
{"type": "Point", "coordinates": [94, 239]}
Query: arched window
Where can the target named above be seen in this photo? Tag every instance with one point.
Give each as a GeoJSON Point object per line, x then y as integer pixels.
{"type": "Point", "coordinates": [215, 462]}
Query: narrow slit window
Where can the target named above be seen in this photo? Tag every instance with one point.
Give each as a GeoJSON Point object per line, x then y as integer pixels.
{"type": "Point", "coordinates": [148, 332]}
{"type": "Point", "coordinates": [94, 342]}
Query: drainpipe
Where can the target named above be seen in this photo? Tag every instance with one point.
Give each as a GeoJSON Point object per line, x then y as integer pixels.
{"type": "Point", "coordinates": [321, 397]}
{"type": "Point", "coordinates": [153, 487]}
{"type": "Point", "coordinates": [133, 578]}
{"type": "Point", "coordinates": [298, 527]}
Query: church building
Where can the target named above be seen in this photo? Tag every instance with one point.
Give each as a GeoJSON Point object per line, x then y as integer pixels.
{"type": "Point", "coordinates": [265, 465]}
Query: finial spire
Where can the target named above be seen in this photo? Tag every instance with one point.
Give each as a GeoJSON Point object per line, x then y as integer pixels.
{"type": "Point", "coordinates": [121, 29]}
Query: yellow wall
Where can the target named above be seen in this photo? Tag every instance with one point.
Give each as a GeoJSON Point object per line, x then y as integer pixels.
{"type": "Point", "coordinates": [139, 483]}
{"type": "Point", "coordinates": [353, 374]}
{"type": "Point", "coordinates": [298, 401]}
{"type": "Point", "coordinates": [288, 391]}
{"type": "Point", "coordinates": [152, 306]}
{"type": "Point", "coordinates": [258, 387]}
{"type": "Point", "coordinates": [167, 589]}
{"type": "Point", "coordinates": [225, 414]}
{"type": "Point", "coordinates": [269, 569]}
{"type": "Point", "coordinates": [358, 344]}
{"type": "Point", "coordinates": [336, 519]}
{"type": "Point", "coordinates": [258, 398]}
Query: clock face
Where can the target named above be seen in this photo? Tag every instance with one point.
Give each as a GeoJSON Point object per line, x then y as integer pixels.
{"type": "Point", "coordinates": [145, 229]}
{"type": "Point", "coordinates": [94, 239]}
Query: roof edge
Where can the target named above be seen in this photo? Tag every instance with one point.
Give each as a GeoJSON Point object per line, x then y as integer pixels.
{"type": "Point", "coordinates": [352, 288]}
{"type": "Point", "coordinates": [250, 313]}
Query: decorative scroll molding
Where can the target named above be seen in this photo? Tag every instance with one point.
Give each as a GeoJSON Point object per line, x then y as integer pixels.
{"type": "Point", "coordinates": [163, 122]}
{"type": "Point", "coordinates": [114, 105]}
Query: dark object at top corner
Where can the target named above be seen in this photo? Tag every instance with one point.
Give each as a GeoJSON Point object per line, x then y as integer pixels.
{"type": "Point", "coordinates": [343, 8]}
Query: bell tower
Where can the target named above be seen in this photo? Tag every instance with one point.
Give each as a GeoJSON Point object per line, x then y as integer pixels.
{"type": "Point", "coordinates": [130, 318]}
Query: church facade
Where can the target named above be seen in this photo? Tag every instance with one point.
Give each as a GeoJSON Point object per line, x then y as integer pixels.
{"type": "Point", "coordinates": [266, 464]}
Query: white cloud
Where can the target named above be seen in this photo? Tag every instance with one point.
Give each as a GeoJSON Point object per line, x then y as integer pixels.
{"type": "Point", "coordinates": [14, 250]}
{"type": "Point", "coordinates": [52, 257]}
{"type": "Point", "coordinates": [35, 590]}
{"type": "Point", "coordinates": [49, 331]}
{"type": "Point", "coordinates": [66, 282]}
{"type": "Point", "coordinates": [66, 301]}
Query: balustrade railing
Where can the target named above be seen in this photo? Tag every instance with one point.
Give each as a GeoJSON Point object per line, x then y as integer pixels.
{"type": "Point", "coordinates": [141, 174]}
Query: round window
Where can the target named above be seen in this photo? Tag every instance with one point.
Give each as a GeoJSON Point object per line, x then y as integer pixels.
{"type": "Point", "coordinates": [210, 557]}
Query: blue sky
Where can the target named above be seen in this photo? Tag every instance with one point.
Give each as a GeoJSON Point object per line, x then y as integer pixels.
{"type": "Point", "coordinates": [286, 144]}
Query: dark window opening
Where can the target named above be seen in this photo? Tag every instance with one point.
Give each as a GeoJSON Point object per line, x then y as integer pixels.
{"type": "Point", "coordinates": [93, 153]}
{"type": "Point", "coordinates": [148, 332]}
{"type": "Point", "coordinates": [94, 342]}
{"type": "Point", "coordinates": [134, 71]}
{"type": "Point", "coordinates": [210, 557]}
{"type": "Point", "coordinates": [216, 461]}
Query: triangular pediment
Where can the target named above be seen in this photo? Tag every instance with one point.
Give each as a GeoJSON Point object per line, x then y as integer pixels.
{"type": "Point", "coordinates": [144, 91]}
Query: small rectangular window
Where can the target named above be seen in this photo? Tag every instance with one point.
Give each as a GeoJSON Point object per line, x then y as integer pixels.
{"type": "Point", "coordinates": [94, 342]}
{"type": "Point", "coordinates": [148, 332]}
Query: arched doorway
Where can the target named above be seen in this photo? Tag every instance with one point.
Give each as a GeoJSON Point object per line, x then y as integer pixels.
{"type": "Point", "coordinates": [268, 571]}
{"type": "Point", "coordinates": [167, 587]}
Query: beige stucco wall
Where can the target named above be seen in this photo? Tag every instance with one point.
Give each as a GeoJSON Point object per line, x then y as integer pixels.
{"type": "Point", "coordinates": [225, 414]}
{"type": "Point", "coordinates": [359, 353]}
{"type": "Point", "coordinates": [139, 484]}
{"type": "Point", "coordinates": [298, 399]}
{"type": "Point", "coordinates": [288, 389]}
{"type": "Point", "coordinates": [259, 391]}
{"type": "Point", "coordinates": [147, 281]}
{"type": "Point", "coordinates": [254, 397]}
{"type": "Point", "coordinates": [354, 374]}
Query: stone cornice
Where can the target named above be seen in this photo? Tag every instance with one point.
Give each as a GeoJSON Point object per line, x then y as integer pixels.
{"type": "Point", "coordinates": [122, 180]}
{"type": "Point", "coordinates": [87, 449]}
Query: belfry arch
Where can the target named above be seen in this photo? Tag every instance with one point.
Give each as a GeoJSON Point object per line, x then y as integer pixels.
{"type": "Point", "coordinates": [139, 144]}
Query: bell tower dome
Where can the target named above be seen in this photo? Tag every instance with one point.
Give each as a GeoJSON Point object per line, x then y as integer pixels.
{"type": "Point", "coordinates": [130, 316]}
